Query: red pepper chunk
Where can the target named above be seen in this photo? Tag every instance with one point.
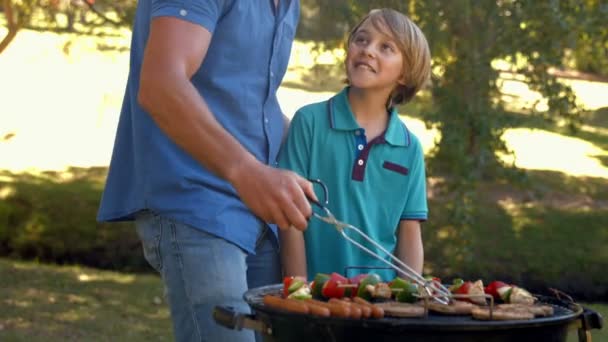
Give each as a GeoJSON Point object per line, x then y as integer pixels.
{"type": "Point", "coordinates": [332, 289]}
{"type": "Point", "coordinates": [492, 288]}
{"type": "Point", "coordinates": [286, 283]}
{"type": "Point", "coordinates": [464, 288]}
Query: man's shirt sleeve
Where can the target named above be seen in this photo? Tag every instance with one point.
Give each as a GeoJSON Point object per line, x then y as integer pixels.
{"type": "Point", "coordinates": [205, 13]}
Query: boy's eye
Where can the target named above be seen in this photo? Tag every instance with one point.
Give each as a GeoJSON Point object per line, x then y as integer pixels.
{"type": "Point", "coordinates": [360, 39]}
{"type": "Point", "coordinates": [388, 47]}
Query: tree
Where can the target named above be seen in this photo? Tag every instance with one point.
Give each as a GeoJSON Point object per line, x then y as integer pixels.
{"type": "Point", "coordinates": [16, 13]}
{"type": "Point", "coordinates": [466, 38]}
{"type": "Point", "coordinates": [47, 15]}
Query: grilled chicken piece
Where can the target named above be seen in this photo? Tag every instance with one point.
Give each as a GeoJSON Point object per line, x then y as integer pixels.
{"type": "Point", "coordinates": [521, 296]}
{"type": "Point", "coordinates": [380, 290]}
{"type": "Point", "coordinates": [477, 289]}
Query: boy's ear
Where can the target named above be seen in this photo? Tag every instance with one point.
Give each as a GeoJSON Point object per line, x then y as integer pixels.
{"type": "Point", "coordinates": [401, 80]}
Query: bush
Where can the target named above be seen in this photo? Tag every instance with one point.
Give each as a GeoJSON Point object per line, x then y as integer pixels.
{"type": "Point", "coordinates": [517, 236]}
{"type": "Point", "coordinates": [51, 217]}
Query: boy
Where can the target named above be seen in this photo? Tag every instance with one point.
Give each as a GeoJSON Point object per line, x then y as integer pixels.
{"type": "Point", "coordinates": [356, 144]}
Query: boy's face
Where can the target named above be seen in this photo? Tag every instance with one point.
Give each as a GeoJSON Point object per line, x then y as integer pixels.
{"type": "Point", "coordinates": [374, 60]}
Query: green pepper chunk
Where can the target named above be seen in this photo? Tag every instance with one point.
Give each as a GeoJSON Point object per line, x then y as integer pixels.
{"type": "Point", "coordinates": [406, 290]}
{"type": "Point", "coordinates": [456, 283]}
{"type": "Point", "coordinates": [295, 285]}
{"type": "Point", "coordinates": [398, 283]}
{"type": "Point", "coordinates": [319, 282]}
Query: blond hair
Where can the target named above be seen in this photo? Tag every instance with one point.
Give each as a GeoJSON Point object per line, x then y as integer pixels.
{"type": "Point", "coordinates": [413, 46]}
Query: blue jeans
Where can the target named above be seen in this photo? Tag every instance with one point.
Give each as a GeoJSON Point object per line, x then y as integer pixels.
{"type": "Point", "coordinates": [200, 271]}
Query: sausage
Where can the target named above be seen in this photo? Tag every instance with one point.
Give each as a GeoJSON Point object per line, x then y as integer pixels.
{"type": "Point", "coordinates": [377, 312]}
{"type": "Point", "coordinates": [336, 310]}
{"type": "Point", "coordinates": [366, 311]}
{"type": "Point", "coordinates": [291, 305]}
{"type": "Point", "coordinates": [316, 309]}
{"type": "Point", "coordinates": [355, 312]}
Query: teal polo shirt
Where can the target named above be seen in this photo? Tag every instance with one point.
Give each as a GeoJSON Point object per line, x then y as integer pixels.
{"type": "Point", "coordinates": [372, 185]}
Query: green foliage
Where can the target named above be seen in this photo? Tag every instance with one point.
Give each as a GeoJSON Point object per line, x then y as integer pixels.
{"type": "Point", "coordinates": [591, 51]}
{"type": "Point", "coordinates": [50, 218]}
{"type": "Point", "coordinates": [523, 233]}
{"type": "Point", "coordinates": [528, 240]}
{"type": "Point", "coordinates": [73, 15]}
{"type": "Point", "coordinates": [466, 37]}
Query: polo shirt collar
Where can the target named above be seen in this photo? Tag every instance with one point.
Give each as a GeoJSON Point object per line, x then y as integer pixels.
{"type": "Point", "coordinates": [396, 133]}
{"type": "Point", "coordinates": [340, 114]}
{"type": "Point", "coordinates": [342, 118]}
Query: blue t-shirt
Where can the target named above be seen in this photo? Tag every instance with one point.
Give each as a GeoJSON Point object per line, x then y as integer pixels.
{"type": "Point", "coordinates": [372, 185]}
{"type": "Point", "coordinates": [244, 65]}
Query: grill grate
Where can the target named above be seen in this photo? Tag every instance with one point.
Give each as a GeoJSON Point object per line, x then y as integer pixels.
{"type": "Point", "coordinates": [562, 312]}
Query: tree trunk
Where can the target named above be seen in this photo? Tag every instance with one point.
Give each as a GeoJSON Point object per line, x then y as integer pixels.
{"type": "Point", "coordinates": [468, 125]}
{"type": "Point", "coordinates": [12, 24]}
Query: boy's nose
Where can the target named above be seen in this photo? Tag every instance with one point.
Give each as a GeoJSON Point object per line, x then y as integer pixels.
{"type": "Point", "coordinates": [368, 51]}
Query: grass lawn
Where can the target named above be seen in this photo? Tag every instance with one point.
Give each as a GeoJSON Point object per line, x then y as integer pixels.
{"type": "Point", "coordinates": [68, 303]}
{"type": "Point", "coordinates": [64, 303]}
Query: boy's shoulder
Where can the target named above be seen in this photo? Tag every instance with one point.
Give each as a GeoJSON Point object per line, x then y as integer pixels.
{"type": "Point", "coordinates": [411, 137]}
{"type": "Point", "coordinates": [316, 108]}
{"type": "Point", "coordinates": [312, 114]}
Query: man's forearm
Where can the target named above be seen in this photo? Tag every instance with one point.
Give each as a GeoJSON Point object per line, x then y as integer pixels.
{"type": "Point", "coordinates": [180, 111]}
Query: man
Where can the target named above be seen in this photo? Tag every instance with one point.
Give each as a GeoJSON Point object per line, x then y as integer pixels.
{"type": "Point", "coordinates": [194, 156]}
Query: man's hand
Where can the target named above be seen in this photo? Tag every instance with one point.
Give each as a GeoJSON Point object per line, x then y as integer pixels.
{"type": "Point", "coordinates": [274, 195]}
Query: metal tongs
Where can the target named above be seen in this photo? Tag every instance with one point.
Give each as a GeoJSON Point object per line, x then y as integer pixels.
{"type": "Point", "coordinates": [434, 289]}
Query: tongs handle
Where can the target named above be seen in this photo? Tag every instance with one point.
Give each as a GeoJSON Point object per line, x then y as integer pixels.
{"type": "Point", "coordinates": [321, 204]}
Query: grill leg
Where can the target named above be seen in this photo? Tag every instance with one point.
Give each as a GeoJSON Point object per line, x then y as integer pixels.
{"type": "Point", "coordinates": [584, 335]}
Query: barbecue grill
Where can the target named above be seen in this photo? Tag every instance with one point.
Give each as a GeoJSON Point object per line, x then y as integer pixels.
{"type": "Point", "coordinates": [278, 325]}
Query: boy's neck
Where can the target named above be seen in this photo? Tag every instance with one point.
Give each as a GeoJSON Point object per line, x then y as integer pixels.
{"type": "Point", "coordinates": [369, 109]}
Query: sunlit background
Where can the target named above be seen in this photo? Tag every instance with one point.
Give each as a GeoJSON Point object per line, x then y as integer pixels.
{"type": "Point", "coordinates": [61, 106]}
